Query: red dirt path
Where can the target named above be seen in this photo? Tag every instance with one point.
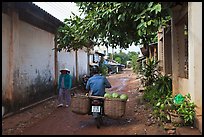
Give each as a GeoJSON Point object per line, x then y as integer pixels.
{"type": "Point", "coordinates": [47, 119]}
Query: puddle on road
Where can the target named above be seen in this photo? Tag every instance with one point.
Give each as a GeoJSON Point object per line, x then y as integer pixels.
{"type": "Point", "coordinates": [121, 86]}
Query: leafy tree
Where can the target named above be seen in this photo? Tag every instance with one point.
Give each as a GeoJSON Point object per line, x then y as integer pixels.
{"type": "Point", "coordinates": [113, 24]}
{"type": "Point", "coordinates": [135, 65]}
{"type": "Point", "coordinates": [123, 57]}
{"type": "Point", "coordinates": [71, 36]}
{"type": "Point", "coordinates": [132, 53]}
{"type": "Point", "coordinates": [118, 59]}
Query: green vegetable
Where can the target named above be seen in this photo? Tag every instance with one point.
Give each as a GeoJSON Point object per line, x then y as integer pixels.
{"type": "Point", "coordinates": [115, 95]}
{"type": "Point", "coordinates": [123, 96]}
{"type": "Point", "coordinates": [107, 95]}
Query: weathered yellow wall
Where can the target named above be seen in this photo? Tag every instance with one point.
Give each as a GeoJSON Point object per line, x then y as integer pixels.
{"type": "Point", "coordinates": [195, 56]}
{"type": "Point", "coordinates": [183, 86]}
{"type": "Point", "coordinates": [193, 84]}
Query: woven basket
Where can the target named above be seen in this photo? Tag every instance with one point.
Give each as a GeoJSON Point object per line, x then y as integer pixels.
{"type": "Point", "coordinates": [114, 108]}
{"type": "Point", "coordinates": [80, 104]}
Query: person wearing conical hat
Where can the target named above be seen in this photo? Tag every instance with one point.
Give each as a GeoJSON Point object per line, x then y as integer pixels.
{"type": "Point", "coordinates": [64, 86]}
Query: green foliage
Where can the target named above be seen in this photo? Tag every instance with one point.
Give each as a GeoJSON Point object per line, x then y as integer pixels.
{"type": "Point", "coordinates": [156, 95]}
{"type": "Point", "coordinates": [103, 69]}
{"type": "Point", "coordinates": [118, 59]}
{"type": "Point", "coordinates": [113, 24]}
{"type": "Point", "coordinates": [161, 106]}
{"type": "Point", "coordinates": [71, 36]}
{"type": "Point", "coordinates": [164, 85]}
{"type": "Point", "coordinates": [161, 88]}
{"type": "Point", "coordinates": [123, 57]}
{"type": "Point", "coordinates": [133, 53]}
{"type": "Point", "coordinates": [185, 109]}
{"type": "Point", "coordinates": [150, 71]}
{"type": "Point", "coordinates": [135, 64]}
{"type": "Point", "coordinates": [133, 58]}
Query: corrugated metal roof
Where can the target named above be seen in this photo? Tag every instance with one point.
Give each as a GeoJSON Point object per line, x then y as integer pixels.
{"type": "Point", "coordinates": [44, 11]}
{"type": "Point", "coordinates": [33, 14]}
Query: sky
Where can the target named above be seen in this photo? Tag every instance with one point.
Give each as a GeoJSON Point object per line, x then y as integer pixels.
{"type": "Point", "coordinates": [62, 10]}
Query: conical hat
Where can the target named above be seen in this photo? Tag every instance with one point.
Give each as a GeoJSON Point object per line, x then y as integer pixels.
{"type": "Point", "coordinates": [65, 69]}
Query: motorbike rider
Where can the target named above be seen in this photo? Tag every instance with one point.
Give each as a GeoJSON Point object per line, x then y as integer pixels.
{"type": "Point", "coordinates": [97, 83]}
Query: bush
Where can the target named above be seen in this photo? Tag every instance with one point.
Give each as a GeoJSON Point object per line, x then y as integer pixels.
{"type": "Point", "coordinates": [135, 64]}
{"type": "Point", "coordinates": [161, 88]}
{"type": "Point", "coordinates": [103, 69]}
{"type": "Point", "coordinates": [185, 109]}
{"type": "Point", "coordinates": [150, 71]}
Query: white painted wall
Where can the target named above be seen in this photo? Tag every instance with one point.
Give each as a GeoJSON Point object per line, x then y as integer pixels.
{"type": "Point", "coordinates": [36, 54]}
{"type": "Point", "coordinates": [27, 60]}
{"type": "Point", "coordinates": [82, 62]}
{"type": "Point", "coordinates": [68, 59]}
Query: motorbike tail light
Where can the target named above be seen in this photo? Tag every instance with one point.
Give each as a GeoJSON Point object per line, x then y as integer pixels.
{"type": "Point", "coordinates": [96, 102]}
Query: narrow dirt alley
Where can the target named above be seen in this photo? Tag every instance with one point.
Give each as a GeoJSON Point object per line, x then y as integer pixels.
{"type": "Point", "coordinates": [47, 119]}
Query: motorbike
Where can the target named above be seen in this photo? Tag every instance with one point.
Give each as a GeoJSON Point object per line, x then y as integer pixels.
{"type": "Point", "coordinates": [97, 109]}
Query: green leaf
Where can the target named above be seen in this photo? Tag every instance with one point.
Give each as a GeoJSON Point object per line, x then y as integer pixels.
{"type": "Point", "coordinates": [149, 22]}
{"type": "Point", "coordinates": [139, 32]}
{"type": "Point", "coordinates": [138, 17]}
{"type": "Point", "coordinates": [158, 104]}
{"type": "Point", "coordinates": [145, 24]}
{"type": "Point", "coordinates": [150, 4]}
{"type": "Point", "coordinates": [140, 25]}
{"type": "Point", "coordinates": [119, 17]}
{"type": "Point", "coordinates": [108, 25]}
{"type": "Point", "coordinates": [158, 8]}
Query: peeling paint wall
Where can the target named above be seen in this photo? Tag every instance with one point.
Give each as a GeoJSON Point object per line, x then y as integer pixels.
{"type": "Point", "coordinates": [32, 63]}
{"type": "Point", "coordinates": [36, 62]}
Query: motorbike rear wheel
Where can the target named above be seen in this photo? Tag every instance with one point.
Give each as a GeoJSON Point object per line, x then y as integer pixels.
{"type": "Point", "coordinates": [98, 121]}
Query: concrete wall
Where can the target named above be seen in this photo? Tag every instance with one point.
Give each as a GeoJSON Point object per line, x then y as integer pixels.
{"type": "Point", "coordinates": [82, 63]}
{"type": "Point", "coordinates": [28, 63]}
{"type": "Point", "coordinates": [195, 57]}
{"type": "Point", "coordinates": [68, 59]}
{"type": "Point", "coordinates": [177, 85]}
{"type": "Point", "coordinates": [192, 84]}
{"type": "Point", "coordinates": [36, 60]}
